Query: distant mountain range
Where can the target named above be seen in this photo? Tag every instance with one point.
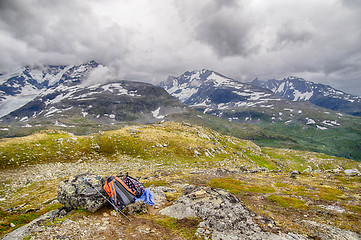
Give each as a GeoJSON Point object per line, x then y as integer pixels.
{"type": "Point", "coordinates": [60, 97]}
{"type": "Point", "coordinates": [55, 93]}
{"type": "Point", "coordinates": [298, 89]}
{"type": "Point", "coordinates": [218, 95]}
{"type": "Point", "coordinates": [279, 122]}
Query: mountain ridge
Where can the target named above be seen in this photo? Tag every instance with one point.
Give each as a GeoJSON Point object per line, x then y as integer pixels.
{"type": "Point", "coordinates": [20, 87]}
{"type": "Point", "coordinates": [299, 89]}
{"type": "Point", "coordinates": [305, 124]}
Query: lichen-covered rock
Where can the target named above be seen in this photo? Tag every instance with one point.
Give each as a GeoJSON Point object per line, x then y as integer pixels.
{"type": "Point", "coordinates": [325, 232]}
{"type": "Point", "coordinates": [136, 208]}
{"type": "Point", "coordinates": [223, 215]}
{"type": "Point", "coordinates": [75, 193]}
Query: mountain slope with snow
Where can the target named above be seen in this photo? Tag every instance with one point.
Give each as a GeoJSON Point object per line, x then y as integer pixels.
{"type": "Point", "coordinates": [298, 89]}
{"type": "Point", "coordinates": [104, 103]}
{"type": "Point", "coordinates": [280, 122]}
{"type": "Point", "coordinates": [63, 97]}
{"type": "Point", "coordinates": [215, 94]}
{"type": "Point", "coordinates": [21, 86]}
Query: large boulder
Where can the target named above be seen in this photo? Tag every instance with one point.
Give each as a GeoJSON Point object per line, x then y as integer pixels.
{"type": "Point", "coordinates": [223, 215]}
{"type": "Point", "coordinates": [76, 193]}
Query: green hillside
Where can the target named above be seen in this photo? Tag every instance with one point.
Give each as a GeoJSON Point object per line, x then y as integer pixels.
{"type": "Point", "coordinates": [167, 153]}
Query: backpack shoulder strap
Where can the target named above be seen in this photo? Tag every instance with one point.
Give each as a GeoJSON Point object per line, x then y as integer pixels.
{"type": "Point", "coordinates": [125, 185]}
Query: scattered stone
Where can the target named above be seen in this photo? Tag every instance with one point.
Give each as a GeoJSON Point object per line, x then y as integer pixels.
{"type": "Point", "coordinates": [243, 168]}
{"type": "Point", "coordinates": [352, 172]}
{"type": "Point", "coordinates": [294, 174]}
{"type": "Point", "coordinates": [113, 213]}
{"type": "Point", "coordinates": [223, 172]}
{"type": "Point", "coordinates": [309, 169]}
{"type": "Point", "coordinates": [75, 193]}
{"type": "Point", "coordinates": [333, 208]}
{"type": "Point", "coordinates": [12, 225]}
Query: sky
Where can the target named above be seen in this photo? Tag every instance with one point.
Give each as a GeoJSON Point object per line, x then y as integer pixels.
{"type": "Point", "coordinates": [147, 40]}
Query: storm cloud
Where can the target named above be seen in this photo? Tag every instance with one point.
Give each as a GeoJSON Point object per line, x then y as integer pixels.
{"type": "Point", "coordinates": [318, 40]}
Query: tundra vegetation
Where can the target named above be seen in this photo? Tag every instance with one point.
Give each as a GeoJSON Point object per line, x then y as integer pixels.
{"type": "Point", "coordinates": [286, 185]}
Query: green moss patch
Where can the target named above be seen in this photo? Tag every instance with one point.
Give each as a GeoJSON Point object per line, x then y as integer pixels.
{"type": "Point", "coordinates": [236, 186]}
{"type": "Point", "coordinates": [22, 219]}
{"type": "Point", "coordinates": [287, 202]}
{"type": "Point", "coordinates": [186, 228]}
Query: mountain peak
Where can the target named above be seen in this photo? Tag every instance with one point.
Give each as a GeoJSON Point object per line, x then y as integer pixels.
{"type": "Point", "coordinates": [298, 89]}
{"type": "Point", "coordinates": [188, 83]}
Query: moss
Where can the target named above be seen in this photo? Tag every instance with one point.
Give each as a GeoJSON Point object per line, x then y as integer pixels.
{"type": "Point", "coordinates": [329, 193]}
{"type": "Point", "coordinates": [22, 219]}
{"type": "Point", "coordinates": [354, 208]}
{"type": "Point", "coordinates": [262, 161]}
{"type": "Point", "coordinates": [287, 202]}
{"type": "Point", "coordinates": [236, 186]}
{"type": "Point", "coordinates": [186, 228]}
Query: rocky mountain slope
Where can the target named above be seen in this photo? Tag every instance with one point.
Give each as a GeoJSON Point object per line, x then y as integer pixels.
{"type": "Point", "coordinates": [306, 125]}
{"type": "Point", "coordinates": [60, 96]}
{"type": "Point", "coordinates": [20, 86]}
{"type": "Point", "coordinates": [215, 94]}
{"type": "Point", "coordinates": [298, 89]}
{"type": "Point", "coordinates": [286, 194]}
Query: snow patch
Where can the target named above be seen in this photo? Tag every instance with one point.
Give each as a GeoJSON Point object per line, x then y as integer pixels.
{"type": "Point", "coordinates": [298, 96]}
{"type": "Point", "coordinates": [58, 124]}
{"type": "Point", "coordinates": [310, 121]}
{"type": "Point", "coordinates": [321, 128]}
{"type": "Point", "coordinates": [156, 114]}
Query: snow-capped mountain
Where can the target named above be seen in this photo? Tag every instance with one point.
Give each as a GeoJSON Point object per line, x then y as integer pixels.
{"type": "Point", "coordinates": [298, 89]}
{"type": "Point", "coordinates": [21, 86]}
{"type": "Point", "coordinates": [57, 94]}
{"type": "Point", "coordinates": [116, 101]}
{"type": "Point", "coordinates": [215, 94]}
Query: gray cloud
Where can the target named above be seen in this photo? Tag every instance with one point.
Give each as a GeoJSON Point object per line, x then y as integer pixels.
{"type": "Point", "coordinates": [228, 35]}
{"type": "Point", "coordinates": [142, 40]}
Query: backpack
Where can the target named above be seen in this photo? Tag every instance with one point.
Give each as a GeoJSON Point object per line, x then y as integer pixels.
{"type": "Point", "coordinates": [119, 193]}
{"type": "Point", "coordinates": [134, 185]}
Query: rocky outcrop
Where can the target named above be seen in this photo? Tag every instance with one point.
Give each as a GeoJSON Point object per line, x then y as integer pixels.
{"type": "Point", "coordinates": [26, 230]}
{"type": "Point", "coordinates": [223, 215]}
{"type": "Point", "coordinates": [325, 232]}
{"type": "Point", "coordinates": [76, 193]}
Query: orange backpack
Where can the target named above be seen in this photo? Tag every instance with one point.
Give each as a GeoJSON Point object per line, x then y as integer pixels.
{"type": "Point", "coordinates": [119, 193]}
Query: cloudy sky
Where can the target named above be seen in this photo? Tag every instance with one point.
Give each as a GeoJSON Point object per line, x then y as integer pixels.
{"type": "Point", "coordinates": [319, 40]}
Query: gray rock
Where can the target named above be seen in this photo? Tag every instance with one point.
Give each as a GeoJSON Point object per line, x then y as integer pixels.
{"type": "Point", "coordinates": [75, 193]}
{"type": "Point", "coordinates": [27, 229]}
{"type": "Point", "coordinates": [136, 208]}
{"type": "Point", "coordinates": [159, 195]}
{"type": "Point", "coordinates": [325, 232]}
{"type": "Point", "coordinates": [309, 169]}
{"type": "Point", "coordinates": [223, 215]}
{"type": "Point", "coordinates": [352, 172]}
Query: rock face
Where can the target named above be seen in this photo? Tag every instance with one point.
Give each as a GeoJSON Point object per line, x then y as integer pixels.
{"type": "Point", "coordinates": [322, 231]}
{"type": "Point", "coordinates": [26, 230]}
{"type": "Point", "coordinates": [224, 217]}
{"type": "Point", "coordinates": [75, 193]}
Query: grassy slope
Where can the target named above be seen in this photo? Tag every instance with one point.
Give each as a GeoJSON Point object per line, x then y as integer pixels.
{"type": "Point", "coordinates": [344, 141]}
{"type": "Point", "coordinates": [169, 152]}
{"type": "Point", "coordinates": [341, 141]}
